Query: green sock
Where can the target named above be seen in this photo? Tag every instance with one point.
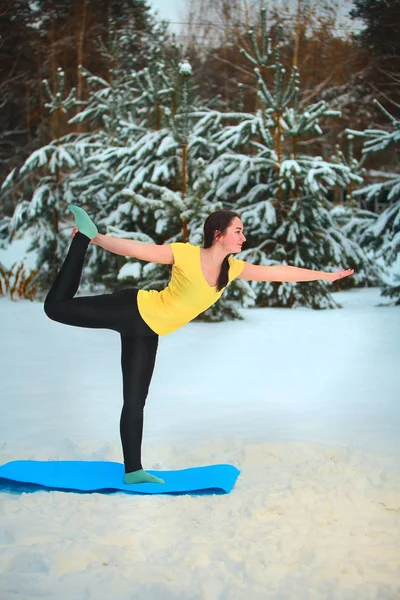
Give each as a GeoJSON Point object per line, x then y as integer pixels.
{"type": "Point", "coordinates": [141, 477]}
{"type": "Point", "coordinates": [83, 222]}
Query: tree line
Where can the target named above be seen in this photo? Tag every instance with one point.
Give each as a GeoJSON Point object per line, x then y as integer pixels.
{"type": "Point", "coordinates": [150, 159]}
{"type": "Point", "coordinates": [347, 71]}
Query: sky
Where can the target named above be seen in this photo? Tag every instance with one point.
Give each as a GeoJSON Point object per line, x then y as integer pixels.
{"type": "Point", "coordinates": [174, 10]}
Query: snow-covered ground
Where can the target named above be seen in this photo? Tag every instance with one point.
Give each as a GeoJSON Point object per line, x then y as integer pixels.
{"type": "Point", "coordinates": [305, 403]}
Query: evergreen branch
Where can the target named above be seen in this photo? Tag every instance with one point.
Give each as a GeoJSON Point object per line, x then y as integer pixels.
{"type": "Point", "coordinates": [266, 136]}
{"type": "Point", "coordinates": [244, 53]}
{"type": "Point", "coordinates": [292, 87]}
{"type": "Point", "coordinates": [385, 96]}
{"type": "Point", "coordinates": [393, 120]}
{"type": "Point", "coordinates": [252, 36]}
{"type": "Point", "coordinates": [264, 93]}
{"type": "Point", "coordinates": [354, 132]}
{"type": "Point", "coordinates": [93, 79]}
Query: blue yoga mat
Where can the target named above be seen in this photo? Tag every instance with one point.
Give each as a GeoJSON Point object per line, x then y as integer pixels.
{"type": "Point", "coordinates": [96, 476]}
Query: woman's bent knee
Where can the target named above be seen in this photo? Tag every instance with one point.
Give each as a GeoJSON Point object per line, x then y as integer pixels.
{"type": "Point", "coordinates": [51, 309]}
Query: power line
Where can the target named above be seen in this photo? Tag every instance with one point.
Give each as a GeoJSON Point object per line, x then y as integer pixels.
{"type": "Point", "coordinates": [188, 37]}
{"type": "Point", "coordinates": [224, 26]}
{"type": "Point", "coordinates": [191, 36]}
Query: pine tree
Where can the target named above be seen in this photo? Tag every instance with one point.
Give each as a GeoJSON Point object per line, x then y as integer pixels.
{"type": "Point", "coordinates": [67, 169]}
{"type": "Point", "coordinates": [162, 173]}
{"type": "Point", "coordinates": [349, 216]}
{"type": "Point", "coordinates": [18, 69]}
{"type": "Point", "coordinates": [383, 236]}
{"type": "Point", "coordinates": [379, 38]}
{"type": "Point", "coordinates": [42, 215]}
{"type": "Point", "coordinates": [381, 20]}
{"type": "Point", "coordinates": [280, 192]}
{"type": "Point", "coordinates": [142, 125]}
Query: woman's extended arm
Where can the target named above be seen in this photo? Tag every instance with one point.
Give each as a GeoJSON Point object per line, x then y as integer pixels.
{"type": "Point", "coordinates": [116, 245]}
{"type": "Point", "coordinates": [286, 273]}
{"type": "Point", "coordinates": [149, 252]}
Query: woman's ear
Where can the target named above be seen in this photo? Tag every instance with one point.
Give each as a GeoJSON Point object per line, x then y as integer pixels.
{"type": "Point", "coordinates": [217, 234]}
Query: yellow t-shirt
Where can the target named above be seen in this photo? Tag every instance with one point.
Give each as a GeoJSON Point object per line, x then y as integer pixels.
{"type": "Point", "coordinates": [187, 295]}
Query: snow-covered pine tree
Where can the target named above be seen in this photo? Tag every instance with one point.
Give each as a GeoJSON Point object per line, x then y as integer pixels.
{"type": "Point", "coordinates": [118, 118]}
{"type": "Point", "coordinates": [382, 237]}
{"type": "Point", "coordinates": [281, 192]}
{"type": "Point", "coordinates": [158, 171]}
{"type": "Point", "coordinates": [163, 171]}
{"type": "Point", "coordinates": [126, 151]}
{"type": "Point", "coordinates": [43, 214]}
{"type": "Point", "coordinates": [71, 168]}
{"type": "Point", "coordinates": [352, 219]}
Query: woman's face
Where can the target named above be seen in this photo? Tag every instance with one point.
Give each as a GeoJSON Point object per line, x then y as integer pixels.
{"type": "Point", "coordinates": [233, 238]}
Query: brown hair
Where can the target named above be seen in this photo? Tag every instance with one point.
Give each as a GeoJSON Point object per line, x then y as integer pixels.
{"type": "Point", "coordinates": [219, 221]}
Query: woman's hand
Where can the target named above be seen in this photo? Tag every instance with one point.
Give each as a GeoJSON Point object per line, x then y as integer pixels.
{"type": "Point", "coordinates": [338, 275]}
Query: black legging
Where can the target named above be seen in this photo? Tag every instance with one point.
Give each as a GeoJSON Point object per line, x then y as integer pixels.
{"type": "Point", "coordinates": [119, 312]}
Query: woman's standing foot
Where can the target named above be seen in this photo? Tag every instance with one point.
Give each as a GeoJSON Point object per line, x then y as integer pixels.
{"type": "Point", "coordinates": [141, 476]}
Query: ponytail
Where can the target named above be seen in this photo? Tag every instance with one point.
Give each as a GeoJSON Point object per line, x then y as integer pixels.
{"type": "Point", "coordinates": [223, 277]}
{"type": "Point", "coordinates": [219, 220]}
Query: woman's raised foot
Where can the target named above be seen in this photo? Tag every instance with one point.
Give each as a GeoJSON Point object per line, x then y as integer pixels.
{"type": "Point", "coordinates": [83, 221]}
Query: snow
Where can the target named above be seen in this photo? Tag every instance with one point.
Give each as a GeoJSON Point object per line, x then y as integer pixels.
{"type": "Point", "coordinates": [130, 269]}
{"type": "Point", "coordinates": [304, 403]}
{"type": "Point", "coordinates": [8, 179]}
{"type": "Point", "coordinates": [18, 252]}
{"type": "Point", "coordinates": [185, 68]}
{"type": "Point", "coordinates": [38, 158]}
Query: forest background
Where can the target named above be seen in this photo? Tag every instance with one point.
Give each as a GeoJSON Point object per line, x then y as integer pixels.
{"type": "Point", "coordinates": [73, 45]}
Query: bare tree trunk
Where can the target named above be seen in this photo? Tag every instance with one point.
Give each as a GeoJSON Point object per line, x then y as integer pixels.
{"type": "Point", "coordinates": [247, 16]}
{"type": "Point", "coordinates": [107, 42]}
{"type": "Point", "coordinates": [185, 233]}
{"type": "Point", "coordinates": [41, 100]}
{"type": "Point", "coordinates": [53, 61]}
{"type": "Point", "coordinates": [297, 38]}
{"type": "Point", "coordinates": [278, 145]}
{"type": "Point", "coordinates": [158, 116]}
{"type": "Point", "coordinates": [28, 114]}
{"type": "Point", "coordinates": [53, 52]}
{"type": "Point", "coordinates": [81, 36]}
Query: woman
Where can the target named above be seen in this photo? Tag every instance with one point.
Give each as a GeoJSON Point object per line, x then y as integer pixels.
{"type": "Point", "coordinates": [199, 277]}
